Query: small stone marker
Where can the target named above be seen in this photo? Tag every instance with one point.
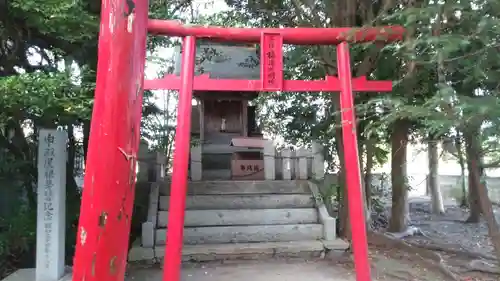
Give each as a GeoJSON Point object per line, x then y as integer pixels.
{"type": "Point", "coordinates": [286, 155]}
{"type": "Point", "coordinates": [51, 212]}
{"type": "Point", "coordinates": [269, 160]}
{"type": "Point", "coordinates": [318, 162]}
{"type": "Point", "coordinates": [302, 154]}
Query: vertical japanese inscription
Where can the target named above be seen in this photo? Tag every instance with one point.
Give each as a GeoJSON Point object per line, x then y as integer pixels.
{"type": "Point", "coordinates": [271, 58]}
{"type": "Point", "coordinates": [271, 62]}
{"type": "Point", "coordinates": [48, 209]}
{"type": "Point", "coordinates": [51, 213]}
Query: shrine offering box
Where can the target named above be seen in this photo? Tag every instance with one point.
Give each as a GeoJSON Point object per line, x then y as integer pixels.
{"type": "Point", "coordinates": [247, 165]}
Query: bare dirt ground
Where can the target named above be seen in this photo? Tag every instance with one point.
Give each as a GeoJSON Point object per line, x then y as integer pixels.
{"type": "Point", "coordinates": [393, 265]}
{"type": "Point", "coordinates": [465, 248]}
{"type": "Point", "coordinates": [451, 228]}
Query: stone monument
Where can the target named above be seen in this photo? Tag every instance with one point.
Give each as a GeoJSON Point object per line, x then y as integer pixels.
{"type": "Point", "coordinates": [51, 212]}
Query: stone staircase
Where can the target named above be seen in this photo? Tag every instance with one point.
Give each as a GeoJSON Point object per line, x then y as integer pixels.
{"type": "Point", "coordinates": [243, 219]}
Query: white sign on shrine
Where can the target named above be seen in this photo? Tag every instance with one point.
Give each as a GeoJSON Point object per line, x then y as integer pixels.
{"type": "Point", "coordinates": [51, 212]}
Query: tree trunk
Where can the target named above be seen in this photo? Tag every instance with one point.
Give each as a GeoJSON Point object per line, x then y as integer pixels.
{"type": "Point", "coordinates": [18, 146]}
{"type": "Point", "coordinates": [399, 144]}
{"type": "Point", "coordinates": [343, 211]}
{"type": "Point", "coordinates": [473, 166]}
{"type": "Point", "coordinates": [433, 180]}
{"type": "Point", "coordinates": [73, 198]}
{"type": "Point", "coordinates": [399, 210]}
{"type": "Point", "coordinates": [486, 206]}
{"type": "Point", "coordinates": [70, 169]}
{"type": "Point", "coordinates": [368, 177]}
{"type": "Point", "coordinates": [86, 137]}
{"type": "Point", "coordinates": [362, 181]}
{"type": "Point", "coordinates": [461, 161]}
{"type": "Point", "coordinates": [433, 154]}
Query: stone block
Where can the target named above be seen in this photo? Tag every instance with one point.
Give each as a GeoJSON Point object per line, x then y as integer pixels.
{"type": "Point", "coordinates": [336, 244]}
{"type": "Point", "coordinates": [329, 223]}
{"type": "Point", "coordinates": [247, 251]}
{"type": "Point", "coordinates": [246, 234]}
{"type": "Point", "coordinates": [28, 274]}
{"type": "Point", "coordinates": [269, 160]}
{"type": "Point", "coordinates": [196, 164]}
{"type": "Point", "coordinates": [154, 197]}
{"type": "Point", "coordinates": [241, 187]}
{"type": "Point", "coordinates": [141, 254]}
{"type": "Point", "coordinates": [161, 161]}
{"type": "Point", "coordinates": [329, 228]}
{"type": "Point", "coordinates": [249, 201]}
{"type": "Point", "coordinates": [196, 218]}
{"type": "Point", "coordinates": [148, 235]}
{"type": "Point", "coordinates": [287, 166]}
{"type": "Point", "coordinates": [302, 154]}
{"type": "Point", "coordinates": [318, 161]}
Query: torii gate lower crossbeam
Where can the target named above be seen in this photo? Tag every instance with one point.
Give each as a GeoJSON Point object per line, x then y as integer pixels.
{"type": "Point", "coordinates": [108, 194]}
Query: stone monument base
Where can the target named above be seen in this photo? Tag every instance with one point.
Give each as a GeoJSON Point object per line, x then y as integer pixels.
{"type": "Point", "coordinates": [28, 274]}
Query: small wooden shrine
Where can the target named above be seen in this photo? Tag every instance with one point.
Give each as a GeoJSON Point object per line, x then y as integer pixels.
{"type": "Point", "coordinates": [224, 124]}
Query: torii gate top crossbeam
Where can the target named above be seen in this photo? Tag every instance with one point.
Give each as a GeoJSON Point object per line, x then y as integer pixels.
{"type": "Point", "coordinates": [271, 58]}
{"type": "Point", "coordinates": [295, 36]}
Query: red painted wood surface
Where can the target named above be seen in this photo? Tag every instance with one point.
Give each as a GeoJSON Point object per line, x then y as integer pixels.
{"type": "Point", "coordinates": [296, 36]}
{"type": "Point", "coordinates": [271, 62]}
{"type": "Point", "coordinates": [205, 83]}
{"type": "Point", "coordinates": [178, 190]}
{"type": "Point", "coordinates": [351, 161]}
{"type": "Point", "coordinates": [108, 192]}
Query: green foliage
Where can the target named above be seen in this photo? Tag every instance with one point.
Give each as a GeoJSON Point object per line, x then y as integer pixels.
{"type": "Point", "coordinates": [17, 238]}
{"type": "Point", "coordinates": [45, 98]}
{"type": "Point", "coordinates": [17, 219]}
{"type": "Point", "coordinates": [66, 19]}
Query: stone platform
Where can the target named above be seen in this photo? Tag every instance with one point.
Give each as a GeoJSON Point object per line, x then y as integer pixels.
{"type": "Point", "coordinates": [250, 271]}
{"type": "Point", "coordinates": [279, 270]}
{"type": "Point", "coordinates": [28, 274]}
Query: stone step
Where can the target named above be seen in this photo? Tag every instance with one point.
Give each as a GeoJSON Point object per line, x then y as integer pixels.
{"type": "Point", "coordinates": [250, 201]}
{"type": "Point", "coordinates": [242, 187]}
{"type": "Point", "coordinates": [236, 251]}
{"type": "Point", "coordinates": [244, 217]}
{"type": "Point", "coordinates": [246, 234]}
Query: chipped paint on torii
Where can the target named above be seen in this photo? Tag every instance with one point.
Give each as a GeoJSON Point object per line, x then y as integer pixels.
{"type": "Point", "coordinates": [130, 22]}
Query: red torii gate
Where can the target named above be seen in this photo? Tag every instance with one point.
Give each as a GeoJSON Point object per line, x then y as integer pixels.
{"type": "Point", "coordinates": [108, 194]}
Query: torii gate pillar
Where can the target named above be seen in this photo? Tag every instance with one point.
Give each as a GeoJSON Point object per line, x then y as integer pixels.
{"type": "Point", "coordinates": [108, 191]}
